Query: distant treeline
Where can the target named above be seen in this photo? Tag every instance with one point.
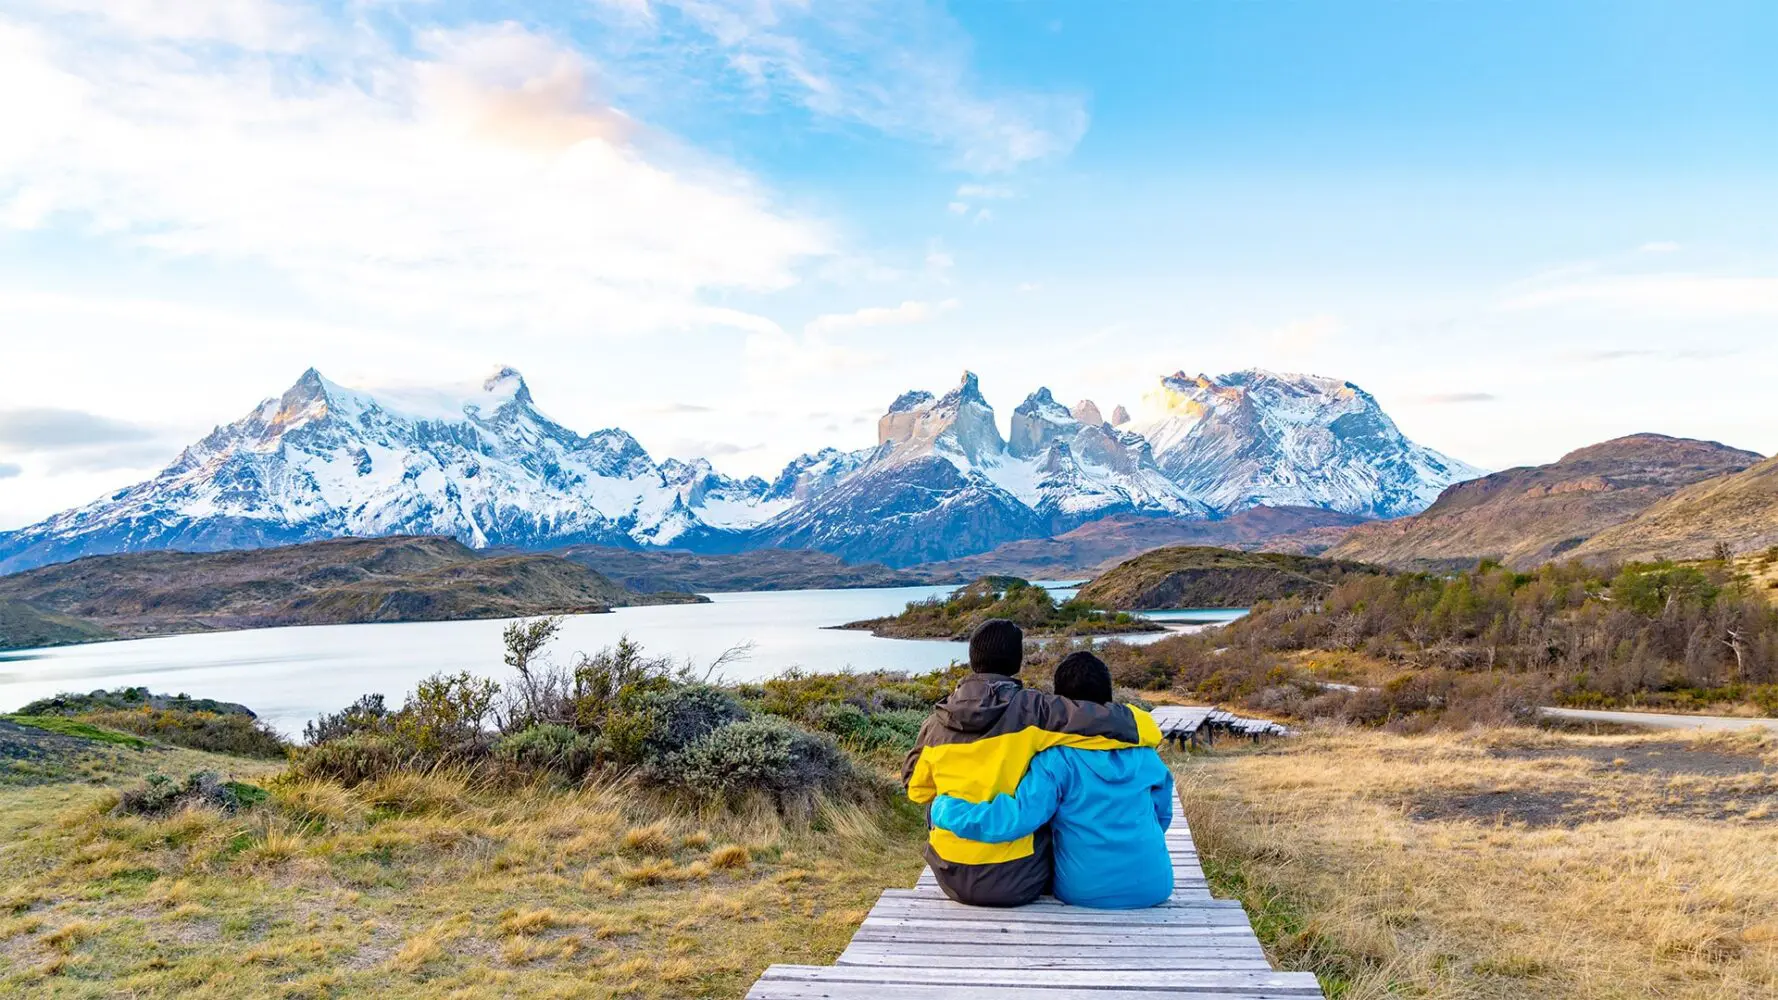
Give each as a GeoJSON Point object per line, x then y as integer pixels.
{"type": "Point", "coordinates": [1660, 633]}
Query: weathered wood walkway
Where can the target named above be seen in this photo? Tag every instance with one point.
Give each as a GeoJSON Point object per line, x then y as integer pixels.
{"type": "Point", "coordinates": [918, 945]}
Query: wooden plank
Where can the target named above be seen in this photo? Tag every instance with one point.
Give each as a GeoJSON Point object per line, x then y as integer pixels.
{"type": "Point", "coordinates": [1180, 899]}
{"type": "Point", "coordinates": [1201, 948]}
{"type": "Point", "coordinates": [1046, 908]}
{"type": "Point", "coordinates": [1103, 963]}
{"type": "Point", "coordinates": [915, 938]}
{"type": "Point", "coordinates": [784, 990]}
{"type": "Point", "coordinates": [1299, 983]}
{"type": "Point", "coordinates": [1195, 924]}
{"type": "Point", "coordinates": [1052, 910]}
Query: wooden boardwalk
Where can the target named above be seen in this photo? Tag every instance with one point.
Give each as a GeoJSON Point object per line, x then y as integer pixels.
{"type": "Point", "coordinates": [918, 945]}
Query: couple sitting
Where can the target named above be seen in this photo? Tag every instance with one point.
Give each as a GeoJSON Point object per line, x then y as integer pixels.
{"type": "Point", "coordinates": [1022, 786]}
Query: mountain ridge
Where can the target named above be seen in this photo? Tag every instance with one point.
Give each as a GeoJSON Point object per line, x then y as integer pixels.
{"type": "Point", "coordinates": [482, 463]}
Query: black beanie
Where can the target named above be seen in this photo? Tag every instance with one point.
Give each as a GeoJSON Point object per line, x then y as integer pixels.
{"type": "Point", "coordinates": [997, 646]}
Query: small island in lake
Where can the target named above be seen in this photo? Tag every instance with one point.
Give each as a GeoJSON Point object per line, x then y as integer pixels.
{"type": "Point", "coordinates": [1038, 613]}
{"type": "Point", "coordinates": [1188, 576]}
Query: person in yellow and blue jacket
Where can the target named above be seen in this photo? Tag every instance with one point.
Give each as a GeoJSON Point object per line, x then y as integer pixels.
{"type": "Point", "coordinates": [979, 742]}
{"type": "Point", "coordinates": [1107, 810]}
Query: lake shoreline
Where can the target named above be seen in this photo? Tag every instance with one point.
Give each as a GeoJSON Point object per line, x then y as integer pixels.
{"type": "Point", "coordinates": [291, 674]}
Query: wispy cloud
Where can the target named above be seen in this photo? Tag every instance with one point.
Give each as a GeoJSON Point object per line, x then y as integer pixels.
{"type": "Point", "coordinates": [680, 408]}
{"type": "Point", "coordinates": [1303, 334]}
{"type": "Point", "coordinates": [1452, 398]}
{"type": "Point", "coordinates": [1693, 296]}
{"type": "Point", "coordinates": [49, 429]}
{"type": "Point", "coordinates": [908, 312]}
{"type": "Point", "coordinates": [1608, 354]}
{"type": "Point", "coordinates": [900, 67]}
{"type": "Point", "coordinates": [983, 192]}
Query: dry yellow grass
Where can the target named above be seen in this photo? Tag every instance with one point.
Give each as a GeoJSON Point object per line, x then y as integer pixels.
{"type": "Point", "coordinates": [428, 885]}
{"type": "Point", "coordinates": [1504, 864]}
{"type": "Point", "coordinates": [730, 856]}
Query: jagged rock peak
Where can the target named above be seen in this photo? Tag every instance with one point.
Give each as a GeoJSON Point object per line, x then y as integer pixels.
{"type": "Point", "coordinates": [1119, 416]}
{"type": "Point", "coordinates": [506, 381]}
{"type": "Point", "coordinates": [1087, 412]}
{"type": "Point", "coordinates": [1038, 422]}
{"type": "Point", "coordinates": [910, 400]}
{"type": "Point", "coordinates": [960, 424]}
{"type": "Point", "coordinates": [969, 390]}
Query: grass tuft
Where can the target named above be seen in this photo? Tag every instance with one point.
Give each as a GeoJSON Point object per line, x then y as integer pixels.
{"type": "Point", "coordinates": [730, 857]}
{"type": "Point", "coordinates": [651, 839]}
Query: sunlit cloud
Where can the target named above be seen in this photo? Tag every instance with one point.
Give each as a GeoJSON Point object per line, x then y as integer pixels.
{"type": "Point", "coordinates": [469, 177]}
{"type": "Point", "coordinates": [905, 313]}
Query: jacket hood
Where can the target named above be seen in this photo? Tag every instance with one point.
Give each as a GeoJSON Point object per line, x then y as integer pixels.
{"type": "Point", "coordinates": [1114, 767]}
{"type": "Point", "coordinates": [977, 703]}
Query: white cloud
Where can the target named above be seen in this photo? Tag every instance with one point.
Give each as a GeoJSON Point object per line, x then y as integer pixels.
{"type": "Point", "coordinates": [908, 312]}
{"type": "Point", "coordinates": [899, 67]}
{"type": "Point", "coordinates": [1659, 246]}
{"type": "Point", "coordinates": [473, 180]}
{"type": "Point", "coordinates": [1299, 336]}
{"type": "Point", "coordinates": [939, 259]}
{"type": "Point", "coordinates": [1692, 296]}
{"type": "Point", "coordinates": [983, 192]}
{"type": "Point", "coordinates": [776, 361]}
{"type": "Point", "coordinates": [260, 25]}
{"type": "Point", "coordinates": [1030, 286]}
{"type": "Point", "coordinates": [958, 208]}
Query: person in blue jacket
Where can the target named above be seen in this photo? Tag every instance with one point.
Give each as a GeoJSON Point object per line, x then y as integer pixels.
{"type": "Point", "coordinates": [1108, 809]}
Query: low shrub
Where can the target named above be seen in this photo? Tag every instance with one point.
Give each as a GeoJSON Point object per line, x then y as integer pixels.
{"type": "Point", "coordinates": [159, 795]}
{"type": "Point", "coordinates": [233, 733]}
{"type": "Point", "coordinates": [549, 747]}
{"type": "Point", "coordinates": [352, 760]}
{"type": "Point", "coordinates": [895, 730]}
{"type": "Point", "coordinates": [367, 714]}
{"type": "Point", "coordinates": [681, 716]}
{"type": "Point", "coordinates": [764, 754]}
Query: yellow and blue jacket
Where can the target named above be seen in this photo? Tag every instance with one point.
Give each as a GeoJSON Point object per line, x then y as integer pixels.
{"type": "Point", "coordinates": [977, 744]}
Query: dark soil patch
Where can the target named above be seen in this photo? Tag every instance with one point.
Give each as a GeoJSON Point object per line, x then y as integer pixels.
{"type": "Point", "coordinates": [1657, 759]}
{"type": "Point", "coordinates": [1532, 809]}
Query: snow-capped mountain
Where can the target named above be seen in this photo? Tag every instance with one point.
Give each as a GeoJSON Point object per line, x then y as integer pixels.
{"type": "Point", "coordinates": [942, 483]}
{"type": "Point", "coordinates": [483, 464]}
{"type": "Point", "coordinates": [1256, 437]}
{"type": "Point", "coordinates": [479, 463]}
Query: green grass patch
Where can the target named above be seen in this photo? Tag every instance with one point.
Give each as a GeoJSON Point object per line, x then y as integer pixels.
{"type": "Point", "coordinates": [81, 730]}
{"type": "Point", "coordinates": [1278, 923]}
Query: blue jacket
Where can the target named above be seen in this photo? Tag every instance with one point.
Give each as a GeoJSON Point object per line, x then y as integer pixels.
{"type": "Point", "coordinates": [1109, 811]}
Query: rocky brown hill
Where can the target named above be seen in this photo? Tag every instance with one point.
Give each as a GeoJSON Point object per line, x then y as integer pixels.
{"type": "Point", "coordinates": [1529, 515]}
{"type": "Point", "coordinates": [1199, 577]}
{"type": "Point", "coordinates": [1740, 510]}
{"type": "Point", "coordinates": [402, 578]}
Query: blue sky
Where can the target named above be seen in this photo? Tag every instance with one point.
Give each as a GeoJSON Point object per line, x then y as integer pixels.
{"type": "Point", "coordinates": [739, 229]}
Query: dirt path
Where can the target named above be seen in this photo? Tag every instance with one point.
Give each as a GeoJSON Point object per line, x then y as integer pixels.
{"type": "Point", "coordinates": [1657, 720]}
